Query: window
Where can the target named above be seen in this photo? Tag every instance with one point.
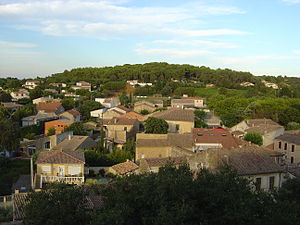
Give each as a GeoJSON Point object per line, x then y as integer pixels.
{"type": "Point", "coordinates": [47, 145]}
{"type": "Point", "coordinates": [258, 184]}
{"type": "Point", "coordinates": [74, 170]}
{"type": "Point", "coordinates": [292, 159]}
{"type": "Point", "coordinates": [285, 146]}
{"type": "Point", "coordinates": [293, 148]}
{"type": "Point", "coordinates": [46, 169]}
{"type": "Point", "coordinates": [271, 182]}
{"type": "Point", "coordinates": [279, 144]}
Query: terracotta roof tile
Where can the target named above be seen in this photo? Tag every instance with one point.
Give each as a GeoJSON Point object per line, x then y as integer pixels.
{"type": "Point", "coordinates": [175, 115]}
{"type": "Point", "coordinates": [65, 156]}
{"type": "Point", "coordinates": [48, 106]}
{"type": "Point", "coordinates": [125, 167]}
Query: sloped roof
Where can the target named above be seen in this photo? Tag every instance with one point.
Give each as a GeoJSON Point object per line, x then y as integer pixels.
{"type": "Point", "coordinates": [64, 157]}
{"type": "Point", "coordinates": [258, 122]}
{"type": "Point", "coordinates": [175, 115]}
{"type": "Point", "coordinates": [123, 108]}
{"type": "Point", "coordinates": [125, 167]}
{"type": "Point", "coordinates": [11, 104]}
{"type": "Point", "coordinates": [40, 116]}
{"type": "Point", "coordinates": [165, 161]}
{"type": "Point", "coordinates": [74, 143]}
{"type": "Point", "coordinates": [291, 138]}
{"type": "Point", "coordinates": [133, 115]}
{"type": "Point", "coordinates": [73, 112]}
{"type": "Point", "coordinates": [264, 128]}
{"type": "Point", "coordinates": [48, 106]}
{"type": "Point", "coordinates": [121, 121]}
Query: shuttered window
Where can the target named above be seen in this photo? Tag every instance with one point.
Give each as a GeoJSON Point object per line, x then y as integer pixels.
{"type": "Point", "coordinates": [46, 169]}
{"type": "Point", "coordinates": [74, 170]}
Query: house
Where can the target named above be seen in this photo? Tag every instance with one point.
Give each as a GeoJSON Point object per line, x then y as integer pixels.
{"type": "Point", "coordinates": [82, 85]}
{"type": "Point", "coordinates": [12, 105]}
{"type": "Point", "coordinates": [123, 169]}
{"type": "Point", "coordinates": [215, 138]}
{"type": "Point", "coordinates": [58, 125]}
{"type": "Point", "coordinates": [21, 93]}
{"type": "Point", "coordinates": [270, 85]}
{"type": "Point", "coordinates": [212, 120]}
{"type": "Point", "coordinates": [163, 145]}
{"type": "Point", "coordinates": [72, 95]}
{"type": "Point", "coordinates": [45, 99]}
{"type": "Point", "coordinates": [98, 113]}
{"type": "Point", "coordinates": [187, 103]}
{"type": "Point", "coordinates": [150, 106]}
{"type": "Point", "coordinates": [118, 130]}
{"type": "Point", "coordinates": [153, 164]}
{"type": "Point", "coordinates": [50, 107]}
{"type": "Point", "coordinates": [133, 115]}
{"type": "Point", "coordinates": [108, 102]}
{"type": "Point", "coordinates": [115, 112]}
{"type": "Point", "coordinates": [289, 145]}
{"type": "Point", "coordinates": [59, 85]}
{"type": "Point", "coordinates": [60, 166]}
{"type": "Point", "coordinates": [179, 120]}
{"type": "Point", "coordinates": [246, 84]}
{"type": "Point", "coordinates": [266, 127]}
{"type": "Point", "coordinates": [76, 142]}
{"type": "Point", "coordinates": [137, 83]}
{"type": "Point", "coordinates": [71, 115]}
{"type": "Point", "coordinates": [31, 84]}
{"type": "Point", "coordinates": [257, 164]}
{"type": "Point", "coordinates": [39, 117]}
{"type": "Point", "coordinates": [42, 143]}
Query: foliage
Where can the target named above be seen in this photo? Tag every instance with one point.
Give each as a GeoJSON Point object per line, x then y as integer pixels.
{"type": "Point", "coordinates": [6, 214]}
{"type": "Point", "coordinates": [5, 97]}
{"type": "Point", "coordinates": [124, 100]}
{"type": "Point", "coordinates": [293, 126]}
{"type": "Point", "coordinates": [114, 85]}
{"type": "Point", "coordinates": [130, 146]}
{"type": "Point", "coordinates": [68, 103]}
{"type": "Point", "coordinates": [231, 119]}
{"type": "Point", "coordinates": [77, 128]}
{"type": "Point", "coordinates": [254, 138]}
{"type": "Point", "coordinates": [9, 135]}
{"type": "Point", "coordinates": [25, 111]}
{"type": "Point", "coordinates": [24, 101]}
{"type": "Point", "coordinates": [51, 131]}
{"type": "Point", "coordinates": [119, 156]}
{"type": "Point", "coordinates": [199, 119]}
{"type": "Point", "coordinates": [33, 129]}
{"type": "Point", "coordinates": [36, 93]}
{"type": "Point", "coordinates": [144, 112]}
{"type": "Point", "coordinates": [57, 206]}
{"type": "Point", "coordinates": [156, 126]}
{"type": "Point", "coordinates": [87, 106]}
{"type": "Point", "coordinates": [174, 196]}
{"type": "Point", "coordinates": [94, 158]}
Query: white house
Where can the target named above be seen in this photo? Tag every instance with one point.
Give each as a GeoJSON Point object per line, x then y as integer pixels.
{"type": "Point", "coordinates": [98, 113]}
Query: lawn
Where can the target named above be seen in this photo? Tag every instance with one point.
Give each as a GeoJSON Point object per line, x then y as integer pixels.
{"type": "Point", "coordinates": [10, 172]}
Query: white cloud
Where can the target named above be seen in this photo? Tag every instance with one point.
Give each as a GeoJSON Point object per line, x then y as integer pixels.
{"type": "Point", "coordinates": [112, 19]}
{"type": "Point", "coordinates": [16, 44]}
{"type": "Point", "coordinates": [172, 53]}
{"type": "Point", "coordinates": [292, 1]}
{"type": "Point", "coordinates": [296, 52]}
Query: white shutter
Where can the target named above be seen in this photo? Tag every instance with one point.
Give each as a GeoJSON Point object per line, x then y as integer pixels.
{"type": "Point", "coordinates": [74, 170]}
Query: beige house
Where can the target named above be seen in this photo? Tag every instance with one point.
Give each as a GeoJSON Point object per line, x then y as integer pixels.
{"type": "Point", "coordinates": [115, 112]}
{"type": "Point", "coordinates": [150, 106]}
{"type": "Point", "coordinates": [289, 145]}
{"type": "Point", "coordinates": [153, 164]}
{"type": "Point", "coordinates": [266, 127]}
{"type": "Point", "coordinates": [44, 99]}
{"type": "Point", "coordinates": [179, 120]}
{"type": "Point", "coordinates": [82, 85]}
{"type": "Point", "coordinates": [118, 130]}
{"type": "Point", "coordinates": [60, 166]}
{"type": "Point", "coordinates": [123, 169]}
{"type": "Point", "coordinates": [163, 145]}
{"type": "Point", "coordinates": [187, 103]}
{"type": "Point", "coordinates": [22, 93]}
{"type": "Point", "coordinates": [70, 115]}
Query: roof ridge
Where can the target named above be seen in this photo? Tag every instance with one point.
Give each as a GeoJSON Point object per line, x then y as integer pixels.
{"type": "Point", "coordinates": [64, 151]}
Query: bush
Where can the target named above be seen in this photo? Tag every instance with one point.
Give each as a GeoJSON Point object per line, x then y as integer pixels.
{"type": "Point", "coordinates": [254, 138]}
{"type": "Point", "coordinates": [156, 126]}
{"type": "Point", "coordinates": [6, 214]}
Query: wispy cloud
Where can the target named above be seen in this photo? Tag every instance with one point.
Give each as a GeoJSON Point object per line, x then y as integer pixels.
{"type": "Point", "coordinates": [292, 1]}
{"type": "Point", "coordinates": [16, 44]}
{"type": "Point", "coordinates": [113, 19]}
{"type": "Point", "coordinates": [296, 52]}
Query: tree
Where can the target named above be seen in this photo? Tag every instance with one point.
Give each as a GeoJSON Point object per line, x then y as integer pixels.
{"type": "Point", "coordinates": [293, 126]}
{"type": "Point", "coordinates": [124, 100]}
{"type": "Point", "coordinates": [51, 131]}
{"type": "Point", "coordinates": [87, 106]}
{"type": "Point", "coordinates": [36, 93]}
{"type": "Point", "coordinates": [61, 205]}
{"type": "Point", "coordinates": [68, 103]}
{"type": "Point", "coordinates": [9, 135]}
{"type": "Point", "coordinates": [77, 128]}
{"type": "Point", "coordinates": [231, 119]}
{"type": "Point", "coordinates": [119, 156]}
{"type": "Point", "coordinates": [254, 138]}
{"type": "Point", "coordinates": [5, 97]}
{"type": "Point", "coordinates": [130, 146]}
{"type": "Point", "coordinates": [144, 112]}
{"type": "Point", "coordinates": [156, 126]}
{"type": "Point", "coordinates": [177, 196]}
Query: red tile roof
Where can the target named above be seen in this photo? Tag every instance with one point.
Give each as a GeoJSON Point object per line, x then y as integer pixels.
{"type": "Point", "coordinates": [57, 156]}
{"type": "Point", "coordinates": [125, 167]}
{"type": "Point", "coordinates": [48, 106]}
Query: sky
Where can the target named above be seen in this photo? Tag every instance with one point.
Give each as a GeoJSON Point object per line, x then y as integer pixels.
{"type": "Point", "coordinates": [42, 37]}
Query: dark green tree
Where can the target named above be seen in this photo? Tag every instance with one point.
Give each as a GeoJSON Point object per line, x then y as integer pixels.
{"type": "Point", "coordinates": [124, 100]}
{"type": "Point", "coordinates": [5, 97]}
{"type": "Point", "coordinates": [68, 103]}
{"type": "Point", "coordinates": [77, 128]}
{"type": "Point", "coordinates": [36, 93]}
{"type": "Point", "coordinates": [9, 135]}
{"type": "Point", "coordinates": [87, 106]}
{"type": "Point", "coordinates": [156, 126]}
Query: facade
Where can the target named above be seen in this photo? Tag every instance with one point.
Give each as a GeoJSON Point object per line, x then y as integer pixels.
{"type": "Point", "coordinates": [266, 127]}
{"type": "Point", "coordinates": [31, 84]}
{"type": "Point", "coordinates": [187, 103]}
{"type": "Point", "coordinates": [270, 85]}
{"type": "Point", "coordinates": [163, 145]}
{"type": "Point", "coordinates": [58, 125]}
{"type": "Point", "coordinates": [50, 107]}
{"type": "Point", "coordinates": [289, 145]}
{"type": "Point", "coordinates": [22, 93]}
{"type": "Point", "coordinates": [59, 85]}
{"type": "Point", "coordinates": [60, 166]}
{"type": "Point", "coordinates": [118, 130]}
{"type": "Point", "coordinates": [98, 113]}
{"type": "Point", "coordinates": [108, 102]}
{"type": "Point", "coordinates": [246, 84]}
{"type": "Point", "coordinates": [70, 115]}
{"type": "Point", "coordinates": [82, 85]}
{"type": "Point", "coordinates": [150, 106]}
{"type": "Point", "coordinates": [259, 165]}
{"type": "Point", "coordinates": [179, 120]}
{"type": "Point", "coordinates": [36, 119]}
{"type": "Point", "coordinates": [44, 99]}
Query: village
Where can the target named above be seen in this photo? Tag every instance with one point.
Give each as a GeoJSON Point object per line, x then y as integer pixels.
{"type": "Point", "coordinates": [147, 134]}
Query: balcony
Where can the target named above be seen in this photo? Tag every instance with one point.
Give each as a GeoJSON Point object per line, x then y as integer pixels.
{"type": "Point", "coordinates": [61, 179]}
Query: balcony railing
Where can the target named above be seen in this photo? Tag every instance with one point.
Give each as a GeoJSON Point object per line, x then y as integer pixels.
{"type": "Point", "coordinates": [68, 180]}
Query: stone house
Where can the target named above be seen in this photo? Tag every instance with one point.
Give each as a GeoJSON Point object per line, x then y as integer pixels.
{"type": "Point", "coordinates": [259, 165]}
{"type": "Point", "coordinates": [266, 127]}
{"type": "Point", "coordinates": [82, 85]}
{"type": "Point", "coordinates": [289, 145]}
{"type": "Point", "coordinates": [115, 112]}
{"type": "Point", "coordinates": [179, 120]}
{"type": "Point", "coordinates": [76, 142]}
{"type": "Point", "coordinates": [150, 106]}
{"type": "Point", "coordinates": [60, 166]}
{"type": "Point", "coordinates": [71, 115]}
{"type": "Point", "coordinates": [108, 102]}
{"type": "Point", "coordinates": [163, 145]}
{"type": "Point", "coordinates": [31, 84]}
{"type": "Point", "coordinates": [187, 103]}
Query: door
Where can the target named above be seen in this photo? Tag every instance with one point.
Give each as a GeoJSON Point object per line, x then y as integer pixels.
{"type": "Point", "coordinates": [61, 171]}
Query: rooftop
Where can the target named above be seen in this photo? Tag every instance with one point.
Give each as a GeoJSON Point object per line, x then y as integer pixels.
{"type": "Point", "coordinates": [292, 138]}
{"type": "Point", "coordinates": [125, 167]}
{"type": "Point", "coordinates": [175, 115]}
{"type": "Point", "coordinates": [64, 156]}
{"type": "Point", "coordinates": [48, 106]}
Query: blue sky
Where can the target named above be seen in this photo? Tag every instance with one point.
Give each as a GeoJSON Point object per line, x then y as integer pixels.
{"type": "Point", "coordinates": [41, 37]}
